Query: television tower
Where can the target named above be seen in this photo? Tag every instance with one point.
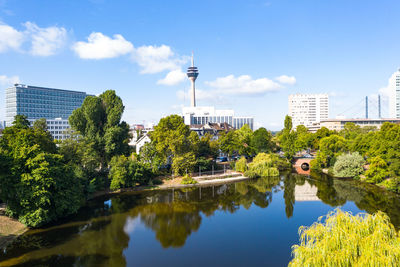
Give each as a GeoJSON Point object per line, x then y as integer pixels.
{"type": "Point", "coordinates": [192, 74]}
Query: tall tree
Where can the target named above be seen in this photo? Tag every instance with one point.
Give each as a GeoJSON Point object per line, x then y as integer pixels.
{"type": "Point", "coordinates": [261, 141]}
{"type": "Point", "coordinates": [98, 120]}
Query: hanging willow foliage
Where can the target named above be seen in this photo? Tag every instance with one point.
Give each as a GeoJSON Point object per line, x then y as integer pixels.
{"type": "Point", "coordinates": [346, 240]}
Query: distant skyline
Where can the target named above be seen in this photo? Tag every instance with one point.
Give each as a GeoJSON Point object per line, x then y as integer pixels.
{"type": "Point", "coordinates": [251, 54]}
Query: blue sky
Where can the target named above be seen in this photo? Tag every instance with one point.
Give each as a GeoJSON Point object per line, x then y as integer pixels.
{"type": "Point", "coordinates": [251, 54]}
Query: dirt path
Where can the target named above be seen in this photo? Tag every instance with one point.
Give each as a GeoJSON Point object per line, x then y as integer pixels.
{"type": "Point", "coordinates": [10, 229]}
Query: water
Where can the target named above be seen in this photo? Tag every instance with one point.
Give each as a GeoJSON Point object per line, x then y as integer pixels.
{"type": "Point", "coordinates": [250, 223]}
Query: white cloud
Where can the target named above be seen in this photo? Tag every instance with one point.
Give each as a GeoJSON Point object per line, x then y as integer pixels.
{"type": "Point", "coordinates": [10, 38]}
{"type": "Point", "coordinates": [286, 79]}
{"type": "Point", "coordinates": [154, 59]}
{"type": "Point", "coordinates": [45, 41]}
{"type": "Point", "coordinates": [173, 77]}
{"type": "Point", "coordinates": [4, 80]}
{"type": "Point", "coordinates": [243, 85]}
{"type": "Point", "coordinates": [100, 46]}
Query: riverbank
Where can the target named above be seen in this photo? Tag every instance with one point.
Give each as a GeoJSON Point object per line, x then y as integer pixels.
{"type": "Point", "coordinates": [9, 230]}
{"type": "Point", "coordinates": [177, 183]}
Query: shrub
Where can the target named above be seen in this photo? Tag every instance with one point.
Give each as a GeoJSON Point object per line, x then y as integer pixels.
{"type": "Point", "coordinates": [378, 170]}
{"type": "Point", "coordinates": [392, 184]}
{"type": "Point", "coordinates": [126, 172]}
{"type": "Point", "coordinates": [348, 165]}
{"type": "Point", "coordinates": [187, 179]}
{"type": "Point", "coordinates": [241, 165]}
{"type": "Point", "coordinates": [251, 174]}
{"type": "Point", "coordinates": [347, 240]}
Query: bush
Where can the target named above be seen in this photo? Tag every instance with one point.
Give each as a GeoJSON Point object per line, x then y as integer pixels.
{"type": "Point", "coordinates": [126, 172]}
{"type": "Point", "coordinates": [241, 165]}
{"type": "Point", "coordinates": [378, 170]}
{"type": "Point", "coordinates": [348, 165]}
{"type": "Point", "coordinates": [347, 240]}
{"type": "Point", "coordinates": [187, 179]}
{"type": "Point", "coordinates": [392, 184]}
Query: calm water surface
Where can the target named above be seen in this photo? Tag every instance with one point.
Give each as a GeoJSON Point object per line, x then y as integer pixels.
{"type": "Point", "coordinates": [252, 223]}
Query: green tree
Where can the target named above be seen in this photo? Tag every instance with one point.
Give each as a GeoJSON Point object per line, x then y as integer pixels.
{"type": "Point", "coordinates": [287, 138]}
{"type": "Point", "coordinates": [229, 142]}
{"type": "Point", "coordinates": [261, 141]}
{"type": "Point", "coordinates": [378, 170]}
{"type": "Point", "coordinates": [21, 122]}
{"type": "Point", "coordinates": [36, 184]}
{"type": "Point", "coordinates": [40, 124]}
{"type": "Point", "coordinates": [245, 135]}
{"type": "Point", "coordinates": [98, 120]}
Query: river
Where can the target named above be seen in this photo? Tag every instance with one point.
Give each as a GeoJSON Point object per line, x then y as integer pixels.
{"type": "Point", "coordinates": [250, 223]}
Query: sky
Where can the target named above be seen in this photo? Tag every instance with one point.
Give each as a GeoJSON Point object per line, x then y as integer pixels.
{"type": "Point", "coordinates": [251, 54]}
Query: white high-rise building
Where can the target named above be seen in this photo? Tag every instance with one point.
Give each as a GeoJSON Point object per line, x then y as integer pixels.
{"type": "Point", "coordinates": [394, 99]}
{"type": "Point", "coordinates": [306, 109]}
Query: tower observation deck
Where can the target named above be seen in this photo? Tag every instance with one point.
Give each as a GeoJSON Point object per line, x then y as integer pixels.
{"type": "Point", "coordinates": [192, 74]}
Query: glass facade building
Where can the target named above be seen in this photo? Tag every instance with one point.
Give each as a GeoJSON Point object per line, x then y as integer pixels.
{"type": "Point", "coordinates": [55, 105]}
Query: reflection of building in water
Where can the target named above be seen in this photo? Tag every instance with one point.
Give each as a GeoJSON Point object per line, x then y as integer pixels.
{"type": "Point", "coordinates": [306, 192]}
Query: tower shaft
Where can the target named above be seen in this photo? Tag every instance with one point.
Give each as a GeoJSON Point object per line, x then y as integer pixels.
{"type": "Point", "coordinates": [193, 93]}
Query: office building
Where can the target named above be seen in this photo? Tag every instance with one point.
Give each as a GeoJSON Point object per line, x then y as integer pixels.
{"type": "Point", "coordinates": [204, 115]}
{"type": "Point", "coordinates": [195, 115]}
{"type": "Point", "coordinates": [338, 124]}
{"type": "Point", "coordinates": [55, 105]}
{"type": "Point", "coordinates": [307, 109]}
{"type": "Point", "coordinates": [394, 99]}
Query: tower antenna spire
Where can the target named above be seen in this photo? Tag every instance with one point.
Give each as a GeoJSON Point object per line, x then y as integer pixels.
{"type": "Point", "coordinates": [192, 58]}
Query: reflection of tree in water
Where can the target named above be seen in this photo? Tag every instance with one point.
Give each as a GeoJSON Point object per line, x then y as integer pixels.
{"type": "Point", "coordinates": [99, 236]}
{"type": "Point", "coordinates": [371, 198]}
{"type": "Point", "coordinates": [289, 182]}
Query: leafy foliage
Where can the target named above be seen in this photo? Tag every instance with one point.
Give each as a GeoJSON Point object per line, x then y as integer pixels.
{"type": "Point", "coordinates": [348, 165]}
{"type": "Point", "coordinates": [187, 179]}
{"type": "Point", "coordinates": [241, 165]}
{"type": "Point", "coordinates": [36, 184]}
{"type": "Point", "coordinates": [378, 170]}
{"type": "Point", "coordinates": [347, 240]}
{"type": "Point", "coordinates": [126, 172]}
{"type": "Point", "coordinates": [98, 120]}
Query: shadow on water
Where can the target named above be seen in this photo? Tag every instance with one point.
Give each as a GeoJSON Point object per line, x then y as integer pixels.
{"type": "Point", "coordinates": [100, 232]}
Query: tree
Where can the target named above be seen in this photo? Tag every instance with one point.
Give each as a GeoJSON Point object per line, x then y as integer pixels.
{"type": "Point", "coordinates": [36, 184]}
{"type": "Point", "coordinates": [184, 163]}
{"type": "Point", "coordinates": [331, 147]}
{"type": "Point", "coordinates": [261, 141]}
{"type": "Point", "coordinates": [288, 123]}
{"type": "Point", "coordinates": [348, 165]}
{"type": "Point", "coordinates": [366, 240]}
{"type": "Point", "coordinates": [174, 142]}
{"type": "Point", "coordinates": [287, 138]}
{"type": "Point", "coordinates": [126, 172]}
{"type": "Point", "coordinates": [228, 142]}
{"type": "Point", "coordinates": [40, 124]}
{"type": "Point", "coordinates": [98, 120]}
{"type": "Point", "coordinates": [378, 170]}
{"type": "Point", "coordinates": [245, 135]}
{"type": "Point", "coordinates": [303, 138]}
{"type": "Point", "coordinates": [21, 122]}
